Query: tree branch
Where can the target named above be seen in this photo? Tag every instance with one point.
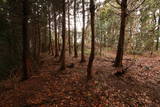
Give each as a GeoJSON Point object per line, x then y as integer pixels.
{"type": "Point", "coordinates": [118, 2]}
{"type": "Point", "coordinates": [129, 12]}
{"type": "Point", "coordinates": [114, 6]}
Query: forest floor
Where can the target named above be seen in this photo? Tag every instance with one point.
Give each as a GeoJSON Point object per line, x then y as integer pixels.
{"type": "Point", "coordinates": [49, 87]}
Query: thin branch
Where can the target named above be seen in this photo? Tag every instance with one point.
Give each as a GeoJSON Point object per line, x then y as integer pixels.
{"type": "Point", "coordinates": [118, 2]}
{"type": "Point", "coordinates": [136, 7]}
{"type": "Point", "coordinates": [119, 13]}
{"type": "Point", "coordinates": [114, 6]}
{"type": "Point", "coordinates": [133, 2]}
{"type": "Point", "coordinates": [128, 2]}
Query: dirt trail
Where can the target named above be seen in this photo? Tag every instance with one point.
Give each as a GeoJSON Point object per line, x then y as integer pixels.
{"type": "Point", "coordinates": [49, 87]}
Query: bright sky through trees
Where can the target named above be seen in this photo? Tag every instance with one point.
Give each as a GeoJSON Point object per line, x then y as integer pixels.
{"type": "Point", "coordinates": [79, 19]}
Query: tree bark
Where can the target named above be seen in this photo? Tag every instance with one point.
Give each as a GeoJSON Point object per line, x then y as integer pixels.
{"type": "Point", "coordinates": [50, 35]}
{"type": "Point", "coordinates": [157, 44]}
{"type": "Point", "coordinates": [55, 29]}
{"type": "Point", "coordinates": [91, 58]}
{"type": "Point", "coordinates": [101, 43]}
{"type": "Point", "coordinates": [35, 43]}
{"type": "Point", "coordinates": [63, 35]}
{"type": "Point", "coordinates": [25, 40]}
{"type": "Point", "coordinates": [119, 56]}
{"type": "Point", "coordinates": [39, 40]}
{"type": "Point", "coordinates": [59, 34]}
{"type": "Point", "coordinates": [83, 33]}
{"type": "Point", "coordinates": [69, 36]}
{"type": "Point", "coordinates": [75, 31]}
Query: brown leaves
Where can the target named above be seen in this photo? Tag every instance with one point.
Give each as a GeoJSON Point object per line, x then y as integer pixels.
{"type": "Point", "coordinates": [49, 87]}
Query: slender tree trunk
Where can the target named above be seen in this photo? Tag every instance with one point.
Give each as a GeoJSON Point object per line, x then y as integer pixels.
{"type": "Point", "coordinates": [119, 56]}
{"type": "Point", "coordinates": [59, 34]}
{"type": "Point", "coordinates": [39, 40]}
{"type": "Point", "coordinates": [69, 36]}
{"type": "Point", "coordinates": [101, 44]}
{"type": "Point", "coordinates": [75, 31]}
{"type": "Point", "coordinates": [56, 43]}
{"type": "Point", "coordinates": [25, 39]}
{"type": "Point", "coordinates": [59, 45]}
{"type": "Point", "coordinates": [50, 35]}
{"type": "Point", "coordinates": [35, 42]}
{"type": "Point", "coordinates": [157, 44]}
{"type": "Point", "coordinates": [83, 32]}
{"type": "Point", "coordinates": [63, 35]}
{"type": "Point", "coordinates": [155, 22]}
{"type": "Point", "coordinates": [130, 33]}
{"type": "Point", "coordinates": [92, 54]}
{"type": "Point", "coordinates": [45, 40]}
{"type": "Point", "coordinates": [45, 36]}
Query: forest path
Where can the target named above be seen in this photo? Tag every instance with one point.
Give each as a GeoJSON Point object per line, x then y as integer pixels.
{"type": "Point", "coordinates": [49, 87]}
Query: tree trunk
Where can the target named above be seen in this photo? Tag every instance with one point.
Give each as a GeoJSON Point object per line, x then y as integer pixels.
{"type": "Point", "coordinates": [45, 39]}
{"type": "Point", "coordinates": [101, 43]}
{"type": "Point", "coordinates": [45, 34]}
{"type": "Point", "coordinates": [59, 44]}
{"type": "Point", "coordinates": [25, 39]}
{"type": "Point", "coordinates": [83, 32]}
{"type": "Point", "coordinates": [39, 40]}
{"type": "Point", "coordinates": [119, 56]}
{"type": "Point", "coordinates": [157, 44]}
{"type": "Point", "coordinates": [45, 48]}
{"type": "Point", "coordinates": [56, 42]}
{"type": "Point", "coordinates": [59, 34]}
{"type": "Point", "coordinates": [91, 58]}
{"type": "Point", "coordinates": [63, 35]}
{"type": "Point", "coordinates": [50, 35]}
{"type": "Point", "coordinates": [69, 36]}
{"type": "Point", "coordinates": [35, 43]}
{"type": "Point", "coordinates": [75, 32]}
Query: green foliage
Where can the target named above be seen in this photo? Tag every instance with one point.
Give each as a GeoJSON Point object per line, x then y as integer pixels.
{"type": "Point", "coordinates": [106, 24]}
{"type": "Point", "coordinates": [141, 29]}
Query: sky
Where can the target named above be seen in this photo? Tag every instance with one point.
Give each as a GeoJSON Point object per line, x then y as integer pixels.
{"type": "Point", "coordinates": [79, 19]}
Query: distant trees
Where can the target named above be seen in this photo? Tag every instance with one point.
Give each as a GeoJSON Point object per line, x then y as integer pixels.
{"type": "Point", "coordinates": [47, 24]}
{"type": "Point", "coordinates": [136, 30]}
